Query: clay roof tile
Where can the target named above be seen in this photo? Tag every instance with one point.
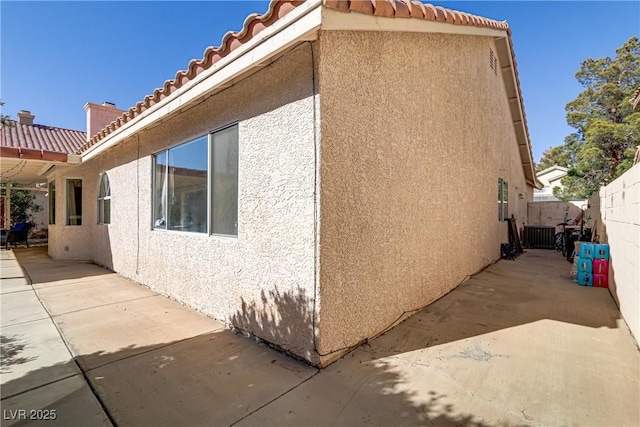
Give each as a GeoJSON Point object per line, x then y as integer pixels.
{"type": "Point", "coordinates": [41, 137]}
{"type": "Point", "coordinates": [255, 23]}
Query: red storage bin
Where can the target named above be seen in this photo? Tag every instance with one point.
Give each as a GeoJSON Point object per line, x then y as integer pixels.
{"type": "Point", "coordinates": [600, 281]}
{"type": "Point", "coordinates": [600, 266]}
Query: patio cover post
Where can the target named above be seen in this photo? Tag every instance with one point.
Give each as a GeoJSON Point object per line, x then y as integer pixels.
{"type": "Point", "coordinates": [7, 206]}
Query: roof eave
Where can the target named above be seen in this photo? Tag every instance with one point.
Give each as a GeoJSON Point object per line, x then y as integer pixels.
{"type": "Point", "coordinates": [506, 58]}
{"type": "Point", "coordinates": [300, 24]}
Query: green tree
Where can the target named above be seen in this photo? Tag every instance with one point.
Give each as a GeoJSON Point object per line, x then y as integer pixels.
{"type": "Point", "coordinates": [554, 156]}
{"type": "Point", "coordinates": [607, 129]}
{"type": "Point", "coordinates": [23, 205]}
{"type": "Point", "coordinates": [4, 119]}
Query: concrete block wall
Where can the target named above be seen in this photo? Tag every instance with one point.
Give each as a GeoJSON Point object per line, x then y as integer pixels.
{"type": "Point", "coordinates": [549, 214]}
{"type": "Point", "coordinates": [617, 212]}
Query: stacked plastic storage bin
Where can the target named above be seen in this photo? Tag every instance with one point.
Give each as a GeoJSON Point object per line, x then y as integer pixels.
{"type": "Point", "coordinates": [585, 264]}
{"type": "Point", "coordinates": [591, 265]}
{"type": "Point", "coordinates": [574, 266]}
{"type": "Point", "coordinates": [601, 266]}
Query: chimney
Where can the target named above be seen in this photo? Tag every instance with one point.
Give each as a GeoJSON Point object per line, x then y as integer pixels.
{"type": "Point", "coordinates": [99, 116]}
{"type": "Point", "coordinates": [25, 118]}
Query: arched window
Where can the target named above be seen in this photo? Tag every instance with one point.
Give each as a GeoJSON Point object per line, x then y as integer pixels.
{"type": "Point", "coordinates": [104, 200]}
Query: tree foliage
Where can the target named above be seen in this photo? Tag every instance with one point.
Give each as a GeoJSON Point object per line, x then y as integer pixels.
{"type": "Point", "coordinates": [4, 119]}
{"type": "Point", "coordinates": [607, 128]}
{"type": "Point", "coordinates": [553, 156]}
{"type": "Point", "coordinates": [23, 205]}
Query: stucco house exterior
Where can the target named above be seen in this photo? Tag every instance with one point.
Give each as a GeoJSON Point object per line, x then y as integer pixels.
{"type": "Point", "coordinates": [315, 179]}
{"type": "Point", "coordinates": [550, 178]}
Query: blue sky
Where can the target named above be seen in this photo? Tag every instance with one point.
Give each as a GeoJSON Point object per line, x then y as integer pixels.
{"type": "Point", "coordinates": [56, 56]}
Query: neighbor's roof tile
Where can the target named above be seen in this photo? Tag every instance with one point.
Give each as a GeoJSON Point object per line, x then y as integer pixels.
{"type": "Point", "coordinates": [41, 137]}
{"type": "Point", "coordinates": [635, 101]}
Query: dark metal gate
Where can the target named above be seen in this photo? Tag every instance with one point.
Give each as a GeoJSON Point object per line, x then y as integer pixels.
{"type": "Point", "coordinates": [539, 237]}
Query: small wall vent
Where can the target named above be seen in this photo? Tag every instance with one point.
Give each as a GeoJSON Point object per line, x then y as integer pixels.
{"type": "Point", "coordinates": [493, 62]}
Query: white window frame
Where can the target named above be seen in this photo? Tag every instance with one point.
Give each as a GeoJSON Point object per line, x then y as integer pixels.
{"type": "Point", "coordinates": [210, 186]}
{"type": "Point", "coordinates": [503, 199]}
{"type": "Point", "coordinates": [101, 198]}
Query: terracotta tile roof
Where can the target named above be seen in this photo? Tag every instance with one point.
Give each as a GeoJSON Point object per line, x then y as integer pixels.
{"type": "Point", "coordinates": [635, 101]}
{"type": "Point", "coordinates": [255, 23]}
{"type": "Point", "coordinates": [413, 9]}
{"type": "Point", "coordinates": [41, 137]}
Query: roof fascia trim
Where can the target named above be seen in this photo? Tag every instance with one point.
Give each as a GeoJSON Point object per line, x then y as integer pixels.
{"type": "Point", "coordinates": [301, 24]}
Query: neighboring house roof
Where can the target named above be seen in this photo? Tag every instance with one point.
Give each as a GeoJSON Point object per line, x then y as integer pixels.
{"type": "Point", "coordinates": [22, 144]}
{"type": "Point", "coordinates": [280, 16]}
{"type": "Point", "coordinates": [553, 168]}
{"type": "Point", "coordinates": [635, 101]}
{"type": "Point", "coordinates": [41, 138]}
{"type": "Point", "coordinates": [552, 175]}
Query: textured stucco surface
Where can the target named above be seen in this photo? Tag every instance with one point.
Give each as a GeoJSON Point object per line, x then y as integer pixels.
{"type": "Point", "coordinates": [411, 133]}
{"type": "Point", "coordinates": [263, 280]}
{"type": "Point", "coordinates": [415, 133]}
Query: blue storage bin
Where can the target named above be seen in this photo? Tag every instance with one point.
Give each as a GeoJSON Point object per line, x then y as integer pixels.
{"type": "Point", "coordinates": [585, 279]}
{"type": "Point", "coordinates": [601, 252]}
{"type": "Point", "coordinates": [585, 265]}
{"type": "Point", "coordinates": [586, 250]}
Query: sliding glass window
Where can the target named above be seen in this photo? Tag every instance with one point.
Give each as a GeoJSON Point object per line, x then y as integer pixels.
{"type": "Point", "coordinates": [181, 189]}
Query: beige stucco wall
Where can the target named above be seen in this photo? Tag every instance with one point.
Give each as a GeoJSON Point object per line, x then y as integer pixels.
{"type": "Point", "coordinates": [616, 212]}
{"type": "Point", "coordinates": [416, 131]}
{"type": "Point", "coordinates": [73, 242]}
{"type": "Point", "coordinates": [263, 280]}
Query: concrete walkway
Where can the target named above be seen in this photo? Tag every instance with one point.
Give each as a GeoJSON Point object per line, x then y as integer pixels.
{"type": "Point", "coordinates": [518, 344]}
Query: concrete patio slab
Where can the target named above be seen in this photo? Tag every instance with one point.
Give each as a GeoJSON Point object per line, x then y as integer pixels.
{"type": "Point", "coordinates": [5, 254]}
{"type": "Point", "coordinates": [67, 273]}
{"type": "Point", "coordinates": [66, 403]}
{"type": "Point", "coordinates": [20, 307]}
{"type": "Point", "coordinates": [362, 390]}
{"type": "Point", "coordinates": [101, 335]}
{"type": "Point", "coordinates": [214, 379]}
{"type": "Point", "coordinates": [10, 272]}
{"type": "Point", "coordinates": [88, 294]}
{"type": "Point", "coordinates": [8, 261]}
{"type": "Point", "coordinates": [33, 354]}
{"type": "Point", "coordinates": [518, 344]}
{"type": "Point", "coordinates": [16, 284]}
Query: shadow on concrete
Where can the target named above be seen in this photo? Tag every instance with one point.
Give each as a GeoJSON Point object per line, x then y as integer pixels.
{"type": "Point", "coordinates": [284, 319]}
{"type": "Point", "coordinates": [224, 379]}
{"type": "Point", "coordinates": [42, 269]}
{"type": "Point", "coordinates": [11, 348]}
{"type": "Point", "coordinates": [221, 378]}
{"type": "Point", "coordinates": [356, 390]}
